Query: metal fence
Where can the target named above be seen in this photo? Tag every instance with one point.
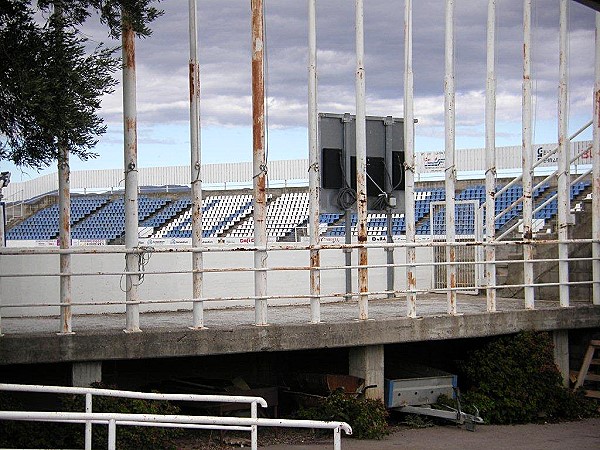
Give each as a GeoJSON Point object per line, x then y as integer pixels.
{"type": "Point", "coordinates": [294, 266]}
{"type": "Point", "coordinates": [112, 419]}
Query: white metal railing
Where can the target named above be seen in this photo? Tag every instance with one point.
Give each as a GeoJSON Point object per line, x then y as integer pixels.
{"type": "Point", "coordinates": [88, 417]}
{"type": "Point", "coordinates": [235, 269]}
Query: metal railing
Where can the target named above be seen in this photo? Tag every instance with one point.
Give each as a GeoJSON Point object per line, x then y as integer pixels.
{"type": "Point", "coordinates": [88, 417]}
{"type": "Point", "coordinates": [293, 269]}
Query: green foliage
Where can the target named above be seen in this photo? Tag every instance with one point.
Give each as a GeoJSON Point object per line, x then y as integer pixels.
{"type": "Point", "coordinates": [56, 435]}
{"type": "Point", "coordinates": [127, 437]}
{"type": "Point", "coordinates": [50, 87]}
{"type": "Point", "coordinates": [366, 417]}
{"type": "Point", "coordinates": [137, 14]}
{"type": "Point", "coordinates": [515, 380]}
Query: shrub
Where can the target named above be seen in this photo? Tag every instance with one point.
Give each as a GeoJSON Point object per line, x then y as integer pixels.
{"type": "Point", "coordinates": [128, 437]}
{"type": "Point", "coordinates": [515, 380]}
{"type": "Point", "coordinates": [58, 435]}
{"type": "Point", "coordinates": [366, 417]}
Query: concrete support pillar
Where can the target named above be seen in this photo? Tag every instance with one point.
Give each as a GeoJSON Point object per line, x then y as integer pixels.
{"type": "Point", "coordinates": [85, 373]}
{"type": "Point", "coordinates": [368, 363]}
{"type": "Point", "coordinates": [561, 353]}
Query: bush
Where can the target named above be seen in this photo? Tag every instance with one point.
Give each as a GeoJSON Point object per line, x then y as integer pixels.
{"type": "Point", "coordinates": [58, 435]}
{"type": "Point", "coordinates": [515, 380]}
{"type": "Point", "coordinates": [128, 437]}
{"type": "Point", "coordinates": [366, 417]}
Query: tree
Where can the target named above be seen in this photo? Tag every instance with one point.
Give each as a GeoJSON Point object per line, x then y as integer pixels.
{"type": "Point", "coordinates": [50, 89]}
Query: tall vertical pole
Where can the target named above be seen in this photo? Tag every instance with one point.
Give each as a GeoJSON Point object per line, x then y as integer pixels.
{"type": "Point", "coordinates": [564, 158]}
{"type": "Point", "coordinates": [195, 166]}
{"type": "Point", "coordinates": [409, 153]}
{"type": "Point", "coordinates": [490, 158]}
{"type": "Point", "coordinates": [314, 177]}
{"type": "Point", "coordinates": [389, 188]}
{"type": "Point", "coordinates": [450, 120]}
{"type": "Point", "coordinates": [64, 218]}
{"type": "Point", "coordinates": [596, 174]}
{"type": "Point", "coordinates": [527, 160]}
{"type": "Point", "coordinates": [361, 164]}
{"type": "Point", "coordinates": [131, 177]}
{"type": "Point", "coordinates": [259, 163]}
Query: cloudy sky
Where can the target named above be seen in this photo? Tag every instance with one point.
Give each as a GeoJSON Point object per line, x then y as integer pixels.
{"type": "Point", "coordinates": [224, 54]}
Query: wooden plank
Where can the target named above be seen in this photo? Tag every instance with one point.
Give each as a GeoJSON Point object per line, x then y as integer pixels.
{"type": "Point", "coordinates": [592, 377]}
{"type": "Point", "coordinates": [585, 365]}
{"type": "Point", "coordinates": [592, 394]}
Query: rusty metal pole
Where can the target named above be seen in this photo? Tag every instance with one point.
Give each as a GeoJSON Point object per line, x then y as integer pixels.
{"type": "Point", "coordinates": [596, 174]}
{"type": "Point", "coordinates": [450, 179]}
{"type": "Point", "coordinates": [527, 159]}
{"type": "Point", "coordinates": [409, 152]}
{"type": "Point", "coordinates": [361, 164]}
{"type": "Point", "coordinates": [490, 156]}
{"type": "Point", "coordinates": [64, 219]}
{"type": "Point", "coordinates": [195, 166]}
{"type": "Point", "coordinates": [314, 176]}
{"type": "Point", "coordinates": [259, 163]}
{"type": "Point", "coordinates": [564, 159]}
{"type": "Point", "coordinates": [131, 177]}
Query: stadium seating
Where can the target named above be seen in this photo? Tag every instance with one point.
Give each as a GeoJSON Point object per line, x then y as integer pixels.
{"type": "Point", "coordinates": [169, 215]}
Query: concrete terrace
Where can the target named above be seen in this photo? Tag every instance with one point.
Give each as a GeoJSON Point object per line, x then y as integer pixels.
{"type": "Point", "coordinates": [30, 340]}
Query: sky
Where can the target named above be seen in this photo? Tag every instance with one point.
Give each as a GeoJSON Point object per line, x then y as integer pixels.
{"type": "Point", "coordinates": [224, 42]}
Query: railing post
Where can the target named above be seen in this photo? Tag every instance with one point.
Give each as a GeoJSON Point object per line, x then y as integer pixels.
{"type": "Point", "coordinates": [259, 163]}
{"type": "Point", "coordinates": [490, 156]}
{"type": "Point", "coordinates": [314, 177]}
{"type": "Point", "coordinates": [131, 176]}
{"type": "Point", "coordinates": [409, 152]}
{"type": "Point", "coordinates": [564, 158]}
{"type": "Point", "coordinates": [596, 173]}
{"type": "Point", "coordinates": [88, 423]}
{"type": "Point", "coordinates": [528, 279]}
{"type": "Point", "coordinates": [195, 159]}
{"type": "Point", "coordinates": [361, 164]}
{"type": "Point", "coordinates": [337, 438]}
{"type": "Point", "coordinates": [254, 432]}
{"type": "Point", "coordinates": [64, 219]}
{"type": "Point", "coordinates": [450, 178]}
{"type": "Point", "coordinates": [112, 434]}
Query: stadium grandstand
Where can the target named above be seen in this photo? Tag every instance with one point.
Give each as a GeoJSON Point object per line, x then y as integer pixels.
{"type": "Point", "coordinates": [97, 207]}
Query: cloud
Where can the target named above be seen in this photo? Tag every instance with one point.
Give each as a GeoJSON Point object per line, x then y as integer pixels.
{"type": "Point", "coordinates": [224, 55]}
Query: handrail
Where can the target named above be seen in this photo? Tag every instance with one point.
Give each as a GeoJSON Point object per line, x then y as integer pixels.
{"type": "Point", "coordinates": [543, 158]}
{"type": "Point", "coordinates": [162, 420]}
{"type": "Point", "coordinates": [89, 392]}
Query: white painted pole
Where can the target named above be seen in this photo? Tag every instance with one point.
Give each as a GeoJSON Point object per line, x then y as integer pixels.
{"type": "Point", "coordinates": [112, 434]}
{"type": "Point", "coordinates": [526, 121]}
{"type": "Point", "coordinates": [450, 179]}
{"type": "Point", "coordinates": [131, 177]}
{"type": "Point", "coordinates": [88, 423]}
{"type": "Point", "coordinates": [490, 158]}
{"type": "Point", "coordinates": [195, 166]}
{"type": "Point", "coordinates": [596, 173]}
{"type": "Point", "coordinates": [64, 221]}
{"type": "Point", "coordinates": [409, 153]}
{"type": "Point", "coordinates": [564, 175]}
{"type": "Point", "coordinates": [259, 159]}
{"type": "Point", "coordinates": [314, 175]}
{"type": "Point", "coordinates": [361, 164]}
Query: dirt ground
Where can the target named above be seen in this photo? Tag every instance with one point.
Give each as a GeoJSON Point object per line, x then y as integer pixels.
{"type": "Point", "coordinates": [582, 435]}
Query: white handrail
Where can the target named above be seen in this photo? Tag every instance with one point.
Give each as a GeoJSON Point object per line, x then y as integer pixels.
{"type": "Point", "coordinates": [112, 419]}
{"type": "Point", "coordinates": [89, 392]}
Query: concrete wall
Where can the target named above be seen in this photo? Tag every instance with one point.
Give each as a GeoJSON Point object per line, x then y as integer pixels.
{"type": "Point", "coordinates": [106, 288]}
